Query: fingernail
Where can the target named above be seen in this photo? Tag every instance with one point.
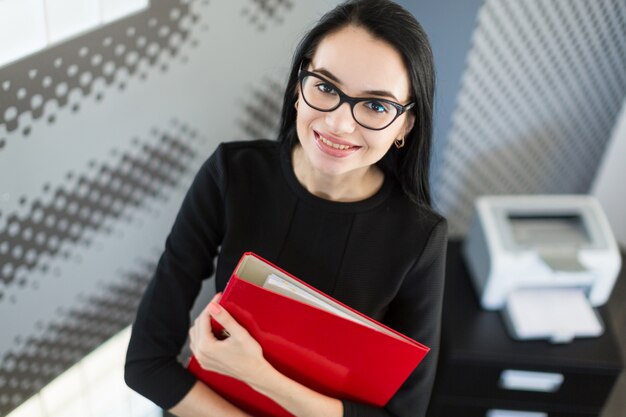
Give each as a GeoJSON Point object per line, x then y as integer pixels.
{"type": "Point", "coordinates": [214, 308]}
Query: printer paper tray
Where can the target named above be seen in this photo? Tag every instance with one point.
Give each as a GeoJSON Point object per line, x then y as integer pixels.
{"type": "Point", "coordinates": [557, 314]}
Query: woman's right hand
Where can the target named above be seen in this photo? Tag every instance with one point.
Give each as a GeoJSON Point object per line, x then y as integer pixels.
{"type": "Point", "coordinates": [241, 357]}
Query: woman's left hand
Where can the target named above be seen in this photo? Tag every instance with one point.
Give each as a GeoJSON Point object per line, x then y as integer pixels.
{"type": "Point", "coordinates": [238, 356]}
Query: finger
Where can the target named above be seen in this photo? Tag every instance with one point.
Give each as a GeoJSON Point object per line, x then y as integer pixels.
{"type": "Point", "coordinates": [202, 327]}
{"type": "Point", "coordinates": [202, 323]}
{"type": "Point", "coordinates": [215, 299]}
{"type": "Point", "coordinates": [224, 318]}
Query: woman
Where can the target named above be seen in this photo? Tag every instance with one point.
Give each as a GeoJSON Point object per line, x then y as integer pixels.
{"type": "Point", "coordinates": [341, 201]}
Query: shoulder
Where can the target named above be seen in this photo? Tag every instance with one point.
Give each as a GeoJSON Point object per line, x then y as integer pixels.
{"type": "Point", "coordinates": [245, 165]}
{"type": "Point", "coordinates": [412, 215]}
{"type": "Point", "coordinates": [242, 155]}
{"type": "Point", "coordinates": [252, 149]}
{"type": "Point", "coordinates": [418, 232]}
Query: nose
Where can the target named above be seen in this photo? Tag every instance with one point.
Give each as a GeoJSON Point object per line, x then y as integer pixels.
{"type": "Point", "coordinates": [340, 120]}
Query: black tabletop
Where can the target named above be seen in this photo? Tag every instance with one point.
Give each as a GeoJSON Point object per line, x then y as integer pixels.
{"type": "Point", "coordinates": [471, 333]}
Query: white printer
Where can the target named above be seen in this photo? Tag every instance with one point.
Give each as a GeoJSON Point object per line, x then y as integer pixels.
{"type": "Point", "coordinates": [545, 261]}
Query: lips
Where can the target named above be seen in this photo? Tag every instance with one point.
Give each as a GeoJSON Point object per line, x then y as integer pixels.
{"type": "Point", "coordinates": [333, 146]}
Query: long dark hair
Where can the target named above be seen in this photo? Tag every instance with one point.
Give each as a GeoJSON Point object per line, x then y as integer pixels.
{"type": "Point", "coordinates": [393, 24]}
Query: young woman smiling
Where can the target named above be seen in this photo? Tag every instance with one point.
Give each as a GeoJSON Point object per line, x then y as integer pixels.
{"type": "Point", "coordinates": [341, 200]}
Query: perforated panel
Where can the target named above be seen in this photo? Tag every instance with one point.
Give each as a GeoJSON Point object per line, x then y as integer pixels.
{"type": "Point", "coordinates": [260, 113]}
{"type": "Point", "coordinates": [266, 13]}
{"type": "Point", "coordinates": [86, 202]}
{"type": "Point", "coordinates": [52, 236]}
{"type": "Point", "coordinates": [111, 55]}
{"type": "Point", "coordinates": [541, 92]}
{"type": "Point", "coordinates": [100, 138]}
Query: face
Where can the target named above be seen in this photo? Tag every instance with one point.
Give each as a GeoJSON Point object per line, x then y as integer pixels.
{"type": "Point", "coordinates": [360, 66]}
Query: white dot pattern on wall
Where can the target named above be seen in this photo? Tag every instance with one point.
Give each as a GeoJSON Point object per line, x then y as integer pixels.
{"type": "Point", "coordinates": [84, 204]}
{"type": "Point", "coordinates": [76, 64]}
{"type": "Point", "coordinates": [263, 14]}
{"type": "Point", "coordinates": [260, 113]}
{"type": "Point", "coordinates": [541, 91]}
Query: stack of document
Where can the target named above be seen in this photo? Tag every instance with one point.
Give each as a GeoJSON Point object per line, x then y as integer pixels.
{"type": "Point", "coordinates": [283, 286]}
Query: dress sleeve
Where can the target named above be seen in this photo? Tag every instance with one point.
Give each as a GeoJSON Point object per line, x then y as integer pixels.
{"type": "Point", "coordinates": [161, 326]}
{"type": "Point", "coordinates": [416, 312]}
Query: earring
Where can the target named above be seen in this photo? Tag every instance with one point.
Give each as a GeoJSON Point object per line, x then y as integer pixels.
{"type": "Point", "coordinates": [399, 142]}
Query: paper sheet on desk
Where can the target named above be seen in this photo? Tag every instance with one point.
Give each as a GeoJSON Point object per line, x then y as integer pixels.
{"type": "Point", "coordinates": [555, 313]}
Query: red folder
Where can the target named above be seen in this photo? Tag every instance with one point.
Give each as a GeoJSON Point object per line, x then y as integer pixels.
{"type": "Point", "coordinates": [336, 356]}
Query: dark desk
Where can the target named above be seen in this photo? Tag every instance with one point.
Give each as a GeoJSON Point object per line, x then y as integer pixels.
{"type": "Point", "coordinates": [476, 349]}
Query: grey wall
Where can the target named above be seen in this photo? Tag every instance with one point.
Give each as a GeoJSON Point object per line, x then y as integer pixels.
{"type": "Point", "coordinates": [100, 136]}
{"type": "Point", "coordinates": [527, 96]}
{"type": "Point", "coordinates": [540, 94]}
{"type": "Point", "coordinates": [449, 24]}
{"type": "Point", "coordinates": [608, 185]}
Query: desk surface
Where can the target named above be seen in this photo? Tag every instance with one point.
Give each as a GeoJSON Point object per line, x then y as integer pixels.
{"type": "Point", "coordinates": [470, 332]}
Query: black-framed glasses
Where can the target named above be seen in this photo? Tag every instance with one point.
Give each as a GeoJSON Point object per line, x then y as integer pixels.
{"type": "Point", "coordinates": [371, 113]}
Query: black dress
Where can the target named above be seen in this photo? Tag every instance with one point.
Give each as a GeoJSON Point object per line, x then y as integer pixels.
{"type": "Point", "coordinates": [383, 256]}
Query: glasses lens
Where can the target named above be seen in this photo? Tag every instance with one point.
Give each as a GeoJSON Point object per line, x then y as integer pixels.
{"type": "Point", "coordinates": [319, 93]}
{"type": "Point", "coordinates": [374, 114]}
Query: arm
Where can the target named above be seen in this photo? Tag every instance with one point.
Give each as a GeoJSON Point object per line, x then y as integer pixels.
{"type": "Point", "coordinates": [201, 401]}
{"type": "Point", "coordinates": [416, 312]}
{"type": "Point", "coordinates": [241, 357]}
{"type": "Point", "coordinates": [162, 321]}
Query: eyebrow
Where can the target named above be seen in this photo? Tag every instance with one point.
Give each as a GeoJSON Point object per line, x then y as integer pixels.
{"type": "Point", "coordinates": [330, 75]}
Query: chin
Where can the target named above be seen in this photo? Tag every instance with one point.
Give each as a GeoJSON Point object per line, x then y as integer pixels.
{"type": "Point", "coordinates": [329, 167]}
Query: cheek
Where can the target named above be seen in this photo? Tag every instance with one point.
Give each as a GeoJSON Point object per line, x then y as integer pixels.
{"type": "Point", "coordinates": [305, 116]}
{"type": "Point", "coordinates": [302, 123]}
{"type": "Point", "coordinates": [382, 140]}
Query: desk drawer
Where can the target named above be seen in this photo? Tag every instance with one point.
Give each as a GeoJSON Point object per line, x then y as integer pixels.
{"type": "Point", "coordinates": [476, 410]}
{"type": "Point", "coordinates": [539, 386]}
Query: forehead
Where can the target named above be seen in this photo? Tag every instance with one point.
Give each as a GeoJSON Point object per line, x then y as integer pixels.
{"type": "Point", "coordinates": [362, 62]}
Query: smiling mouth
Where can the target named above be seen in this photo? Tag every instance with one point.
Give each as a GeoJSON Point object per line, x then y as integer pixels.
{"type": "Point", "coordinates": [333, 144]}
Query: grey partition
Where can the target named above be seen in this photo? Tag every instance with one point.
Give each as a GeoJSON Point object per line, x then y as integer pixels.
{"type": "Point", "coordinates": [543, 84]}
{"type": "Point", "coordinates": [100, 136]}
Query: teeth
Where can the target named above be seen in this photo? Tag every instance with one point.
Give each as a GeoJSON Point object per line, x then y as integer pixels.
{"type": "Point", "coordinates": [334, 145]}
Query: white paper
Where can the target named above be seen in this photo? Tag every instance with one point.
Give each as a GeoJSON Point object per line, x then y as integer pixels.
{"type": "Point", "coordinates": [559, 314]}
{"type": "Point", "coordinates": [282, 286]}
